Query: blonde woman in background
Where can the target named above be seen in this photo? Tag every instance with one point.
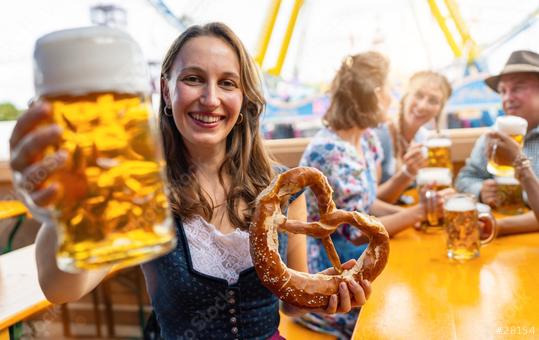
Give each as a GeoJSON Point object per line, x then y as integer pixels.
{"type": "Point", "coordinates": [402, 138]}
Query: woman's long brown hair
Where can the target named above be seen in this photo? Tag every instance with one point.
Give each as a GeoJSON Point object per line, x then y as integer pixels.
{"type": "Point", "coordinates": [246, 162]}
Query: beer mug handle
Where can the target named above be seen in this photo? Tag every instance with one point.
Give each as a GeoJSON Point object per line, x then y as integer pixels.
{"type": "Point", "coordinates": [430, 205]}
{"type": "Point", "coordinates": [493, 152]}
{"type": "Point", "coordinates": [425, 152]}
{"type": "Point", "coordinates": [490, 222]}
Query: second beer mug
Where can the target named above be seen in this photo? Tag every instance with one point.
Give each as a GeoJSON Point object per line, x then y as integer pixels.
{"type": "Point", "coordinates": [509, 196]}
{"type": "Point", "coordinates": [112, 207]}
{"type": "Point", "coordinates": [439, 152]}
{"type": "Point", "coordinates": [515, 127]}
{"type": "Point", "coordinates": [461, 221]}
{"type": "Point", "coordinates": [429, 182]}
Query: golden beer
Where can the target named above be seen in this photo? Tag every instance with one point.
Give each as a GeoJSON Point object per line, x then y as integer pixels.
{"type": "Point", "coordinates": [439, 152]}
{"type": "Point", "coordinates": [429, 182]}
{"type": "Point", "coordinates": [112, 207]}
{"type": "Point", "coordinates": [509, 196]}
{"type": "Point", "coordinates": [461, 221]}
{"type": "Point", "coordinates": [515, 127]}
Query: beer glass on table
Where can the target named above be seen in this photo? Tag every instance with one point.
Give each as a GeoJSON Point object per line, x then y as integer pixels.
{"type": "Point", "coordinates": [509, 199]}
{"type": "Point", "coordinates": [516, 128]}
{"type": "Point", "coordinates": [429, 182]}
{"type": "Point", "coordinates": [438, 149]}
{"type": "Point", "coordinates": [112, 207]}
{"type": "Point", "coordinates": [461, 221]}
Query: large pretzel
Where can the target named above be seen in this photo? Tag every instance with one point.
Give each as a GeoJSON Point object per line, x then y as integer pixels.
{"type": "Point", "coordinates": [298, 288]}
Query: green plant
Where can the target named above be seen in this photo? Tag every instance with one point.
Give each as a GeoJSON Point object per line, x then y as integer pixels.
{"type": "Point", "coordinates": [8, 111]}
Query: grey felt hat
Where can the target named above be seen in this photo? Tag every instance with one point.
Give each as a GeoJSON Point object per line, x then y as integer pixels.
{"type": "Point", "coordinates": [518, 62]}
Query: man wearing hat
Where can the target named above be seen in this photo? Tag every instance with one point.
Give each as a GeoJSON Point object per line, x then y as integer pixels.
{"type": "Point", "coordinates": [518, 86]}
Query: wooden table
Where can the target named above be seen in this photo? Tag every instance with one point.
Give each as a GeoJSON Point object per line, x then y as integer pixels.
{"type": "Point", "coordinates": [423, 295]}
{"type": "Point", "coordinates": [20, 294]}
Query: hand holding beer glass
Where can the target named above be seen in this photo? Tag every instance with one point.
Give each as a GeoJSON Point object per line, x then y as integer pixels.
{"type": "Point", "coordinates": [516, 128]}
{"type": "Point", "coordinates": [461, 221]}
{"type": "Point", "coordinates": [430, 182]}
{"type": "Point", "coordinates": [110, 206]}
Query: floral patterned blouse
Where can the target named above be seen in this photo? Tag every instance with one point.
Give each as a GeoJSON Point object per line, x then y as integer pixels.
{"type": "Point", "coordinates": [353, 180]}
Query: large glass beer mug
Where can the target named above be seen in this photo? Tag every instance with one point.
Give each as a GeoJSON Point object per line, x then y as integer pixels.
{"type": "Point", "coordinates": [439, 152]}
{"type": "Point", "coordinates": [112, 207]}
{"type": "Point", "coordinates": [461, 221]}
{"type": "Point", "coordinates": [516, 128]}
{"type": "Point", "coordinates": [429, 182]}
{"type": "Point", "coordinates": [509, 199]}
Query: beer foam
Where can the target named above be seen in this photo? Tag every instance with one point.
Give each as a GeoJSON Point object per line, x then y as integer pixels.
{"type": "Point", "coordinates": [89, 59]}
{"type": "Point", "coordinates": [440, 176]}
{"type": "Point", "coordinates": [459, 203]}
{"type": "Point", "coordinates": [512, 125]}
{"type": "Point", "coordinates": [506, 180]}
{"type": "Point", "coordinates": [438, 143]}
{"type": "Point", "coordinates": [483, 208]}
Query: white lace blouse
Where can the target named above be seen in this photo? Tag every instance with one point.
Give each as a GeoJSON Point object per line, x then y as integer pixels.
{"type": "Point", "coordinates": [216, 254]}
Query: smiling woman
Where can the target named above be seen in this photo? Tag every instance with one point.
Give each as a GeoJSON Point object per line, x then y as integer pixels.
{"type": "Point", "coordinates": [216, 163]}
{"type": "Point", "coordinates": [402, 139]}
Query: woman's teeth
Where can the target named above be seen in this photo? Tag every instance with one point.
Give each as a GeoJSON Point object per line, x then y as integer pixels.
{"type": "Point", "coordinates": [205, 118]}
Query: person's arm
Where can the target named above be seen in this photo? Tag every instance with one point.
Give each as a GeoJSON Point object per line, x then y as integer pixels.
{"type": "Point", "coordinates": [530, 184]}
{"type": "Point", "coordinates": [403, 218]}
{"type": "Point", "coordinates": [58, 286]}
{"type": "Point", "coordinates": [525, 223]}
{"type": "Point", "coordinates": [296, 251]}
{"type": "Point", "coordinates": [396, 223]}
{"type": "Point", "coordinates": [392, 189]}
{"type": "Point", "coordinates": [471, 176]}
{"type": "Point", "coordinates": [508, 152]}
{"type": "Point", "coordinates": [380, 208]}
{"type": "Point", "coordinates": [297, 243]}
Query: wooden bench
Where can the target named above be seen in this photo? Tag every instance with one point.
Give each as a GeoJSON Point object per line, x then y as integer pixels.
{"type": "Point", "coordinates": [288, 151]}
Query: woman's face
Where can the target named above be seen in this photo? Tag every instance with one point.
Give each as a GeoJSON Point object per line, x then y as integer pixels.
{"type": "Point", "coordinates": [204, 92]}
{"type": "Point", "coordinates": [423, 103]}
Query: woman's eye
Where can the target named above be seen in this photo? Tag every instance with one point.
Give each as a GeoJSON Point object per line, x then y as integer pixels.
{"type": "Point", "coordinates": [229, 84]}
{"type": "Point", "coordinates": [191, 79]}
{"type": "Point", "coordinates": [434, 101]}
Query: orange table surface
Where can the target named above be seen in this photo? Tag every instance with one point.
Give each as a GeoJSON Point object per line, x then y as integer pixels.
{"type": "Point", "coordinates": [422, 294]}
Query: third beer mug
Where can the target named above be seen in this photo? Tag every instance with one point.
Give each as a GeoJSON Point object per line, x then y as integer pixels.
{"type": "Point", "coordinates": [429, 182]}
{"type": "Point", "coordinates": [112, 207]}
{"type": "Point", "coordinates": [516, 128]}
{"type": "Point", "coordinates": [461, 221]}
{"type": "Point", "coordinates": [509, 196]}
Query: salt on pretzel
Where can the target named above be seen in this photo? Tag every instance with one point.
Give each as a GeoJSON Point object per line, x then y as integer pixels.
{"type": "Point", "coordinates": [303, 289]}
